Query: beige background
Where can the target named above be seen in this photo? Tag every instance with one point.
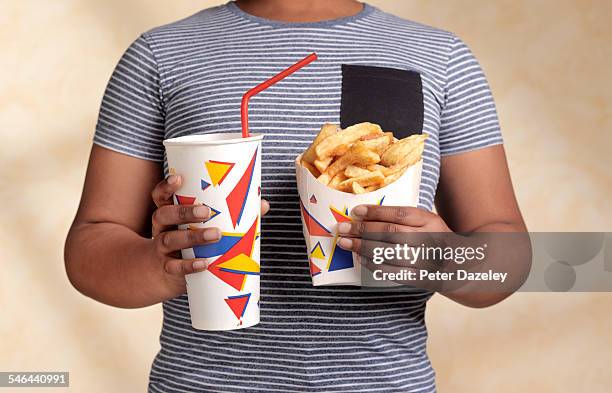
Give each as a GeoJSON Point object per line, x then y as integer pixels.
{"type": "Point", "coordinates": [549, 66]}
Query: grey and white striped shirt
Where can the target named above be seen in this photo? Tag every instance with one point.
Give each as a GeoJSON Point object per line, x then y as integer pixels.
{"type": "Point", "coordinates": [188, 77]}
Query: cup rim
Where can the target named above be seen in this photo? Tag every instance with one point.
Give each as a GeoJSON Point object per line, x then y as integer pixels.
{"type": "Point", "coordinates": [211, 139]}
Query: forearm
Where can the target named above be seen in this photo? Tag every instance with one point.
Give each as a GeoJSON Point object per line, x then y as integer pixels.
{"type": "Point", "coordinates": [116, 266]}
{"type": "Point", "coordinates": [508, 250]}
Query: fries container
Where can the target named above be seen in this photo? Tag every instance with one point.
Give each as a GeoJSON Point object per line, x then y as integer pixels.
{"type": "Point", "coordinates": [223, 172]}
{"type": "Point", "coordinates": [322, 208]}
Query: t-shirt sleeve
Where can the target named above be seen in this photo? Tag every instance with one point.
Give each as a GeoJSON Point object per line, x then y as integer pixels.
{"type": "Point", "coordinates": [469, 117]}
{"type": "Point", "coordinates": [131, 118]}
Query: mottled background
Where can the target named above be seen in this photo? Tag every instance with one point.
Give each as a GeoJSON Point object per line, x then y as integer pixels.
{"type": "Point", "coordinates": [549, 66]}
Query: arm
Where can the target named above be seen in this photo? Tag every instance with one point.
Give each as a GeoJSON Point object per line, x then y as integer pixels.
{"type": "Point", "coordinates": [109, 253]}
{"type": "Point", "coordinates": [475, 193]}
{"type": "Point", "coordinates": [475, 196]}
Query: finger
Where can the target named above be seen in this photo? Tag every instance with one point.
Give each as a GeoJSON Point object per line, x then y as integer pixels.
{"type": "Point", "coordinates": [371, 229]}
{"type": "Point", "coordinates": [363, 247]}
{"type": "Point", "coordinates": [350, 244]}
{"type": "Point", "coordinates": [403, 215]}
{"type": "Point", "coordinates": [181, 267]}
{"type": "Point", "coordinates": [168, 242]}
{"type": "Point", "coordinates": [371, 250]}
{"type": "Point", "coordinates": [163, 191]}
{"type": "Point", "coordinates": [180, 214]}
{"type": "Point", "coordinates": [380, 252]}
{"type": "Point", "coordinates": [265, 207]}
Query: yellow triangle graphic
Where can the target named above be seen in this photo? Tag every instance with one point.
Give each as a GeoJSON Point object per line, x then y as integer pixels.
{"type": "Point", "coordinates": [218, 170]}
{"type": "Point", "coordinates": [317, 252]}
{"type": "Point", "coordinates": [241, 264]}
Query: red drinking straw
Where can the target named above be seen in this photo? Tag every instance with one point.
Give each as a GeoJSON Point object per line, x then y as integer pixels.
{"type": "Point", "coordinates": [244, 107]}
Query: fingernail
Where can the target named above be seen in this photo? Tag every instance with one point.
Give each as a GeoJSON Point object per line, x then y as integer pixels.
{"type": "Point", "coordinates": [345, 243]}
{"type": "Point", "coordinates": [197, 265]}
{"type": "Point", "coordinates": [360, 211]}
{"type": "Point", "coordinates": [172, 179]}
{"type": "Point", "coordinates": [201, 211]}
{"type": "Point", "coordinates": [212, 234]}
{"type": "Point", "coordinates": [344, 227]}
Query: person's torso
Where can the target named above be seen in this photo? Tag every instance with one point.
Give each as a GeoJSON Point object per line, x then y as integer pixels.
{"type": "Point", "coordinates": [310, 338]}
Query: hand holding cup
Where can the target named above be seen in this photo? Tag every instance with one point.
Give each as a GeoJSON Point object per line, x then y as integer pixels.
{"type": "Point", "coordinates": [168, 240]}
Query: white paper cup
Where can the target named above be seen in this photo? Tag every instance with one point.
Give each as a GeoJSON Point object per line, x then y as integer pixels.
{"type": "Point", "coordinates": [324, 207]}
{"type": "Point", "coordinates": [223, 172]}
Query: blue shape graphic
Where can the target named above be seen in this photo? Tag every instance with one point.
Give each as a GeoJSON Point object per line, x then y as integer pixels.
{"type": "Point", "coordinates": [340, 259]}
{"type": "Point", "coordinates": [215, 249]}
{"type": "Point", "coordinates": [213, 213]}
{"type": "Point", "coordinates": [204, 184]}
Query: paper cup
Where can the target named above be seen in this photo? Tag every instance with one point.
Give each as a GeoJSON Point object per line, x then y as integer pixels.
{"type": "Point", "coordinates": [324, 207]}
{"type": "Point", "coordinates": [223, 172]}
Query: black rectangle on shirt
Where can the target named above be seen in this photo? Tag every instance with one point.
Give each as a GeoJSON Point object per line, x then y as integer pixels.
{"type": "Point", "coordinates": [390, 97]}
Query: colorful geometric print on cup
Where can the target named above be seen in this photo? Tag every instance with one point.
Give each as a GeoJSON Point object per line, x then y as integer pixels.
{"type": "Point", "coordinates": [223, 172]}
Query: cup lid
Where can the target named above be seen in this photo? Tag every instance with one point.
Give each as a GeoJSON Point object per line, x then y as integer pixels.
{"type": "Point", "coordinates": [211, 139]}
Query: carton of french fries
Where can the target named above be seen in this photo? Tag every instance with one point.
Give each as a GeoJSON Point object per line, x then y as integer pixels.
{"type": "Point", "coordinates": [341, 169]}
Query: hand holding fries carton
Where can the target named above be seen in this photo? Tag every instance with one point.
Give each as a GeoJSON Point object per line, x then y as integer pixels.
{"type": "Point", "coordinates": [345, 168]}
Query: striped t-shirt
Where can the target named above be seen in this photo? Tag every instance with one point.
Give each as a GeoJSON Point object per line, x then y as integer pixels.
{"type": "Point", "coordinates": [188, 78]}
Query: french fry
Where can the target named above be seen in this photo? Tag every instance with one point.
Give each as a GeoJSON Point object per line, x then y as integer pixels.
{"type": "Point", "coordinates": [355, 171]}
{"type": "Point", "coordinates": [311, 168]}
{"type": "Point", "coordinates": [415, 155]}
{"type": "Point", "coordinates": [326, 131]}
{"type": "Point", "coordinates": [378, 145]}
{"type": "Point", "coordinates": [412, 158]}
{"type": "Point", "coordinates": [368, 137]}
{"type": "Point", "coordinates": [324, 178]}
{"type": "Point", "coordinates": [357, 189]}
{"type": "Point", "coordinates": [373, 187]}
{"type": "Point", "coordinates": [373, 178]}
{"type": "Point", "coordinates": [374, 136]}
{"type": "Point", "coordinates": [394, 169]}
{"type": "Point", "coordinates": [385, 170]}
{"type": "Point", "coordinates": [340, 142]}
{"type": "Point", "coordinates": [322, 165]}
{"type": "Point", "coordinates": [394, 153]}
{"type": "Point", "coordinates": [412, 145]}
{"type": "Point", "coordinates": [414, 140]}
{"type": "Point", "coordinates": [358, 153]}
{"type": "Point", "coordinates": [376, 167]}
{"type": "Point", "coordinates": [336, 180]}
{"type": "Point", "coordinates": [390, 179]}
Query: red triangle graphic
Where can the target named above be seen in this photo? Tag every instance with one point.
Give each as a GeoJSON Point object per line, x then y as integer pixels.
{"type": "Point", "coordinates": [185, 200]}
{"type": "Point", "coordinates": [314, 227]}
{"type": "Point", "coordinates": [234, 280]}
{"type": "Point", "coordinates": [314, 269]}
{"type": "Point", "coordinates": [340, 217]}
{"type": "Point", "coordinates": [238, 196]}
{"type": "Point", "coordinates": [238, 304]}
